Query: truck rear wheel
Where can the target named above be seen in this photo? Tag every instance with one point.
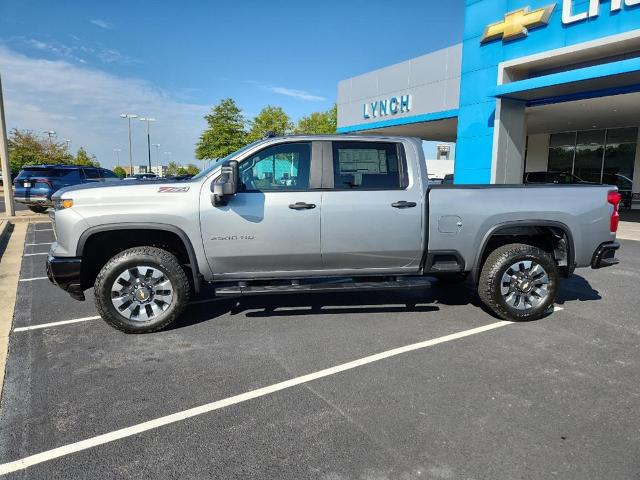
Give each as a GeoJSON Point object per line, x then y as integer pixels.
{"type": "Point", "coordinates": [141, 290]}
{"type": "Point", "coordinates": [519, 282]}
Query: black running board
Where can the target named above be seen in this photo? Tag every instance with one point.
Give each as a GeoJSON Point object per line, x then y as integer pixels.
{"type": "Point", "coordinates": [346, 286]}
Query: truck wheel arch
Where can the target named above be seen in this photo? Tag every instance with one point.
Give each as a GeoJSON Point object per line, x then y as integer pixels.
{"type": "Point", "coordinates": [184, 238]}
{"type": "Point", "coordinates": [496, 230]}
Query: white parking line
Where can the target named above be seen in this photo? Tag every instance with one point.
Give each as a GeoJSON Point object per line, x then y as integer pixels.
{"type": "Point", "coordinates": [35, 254]}
{"type": "Point", "coordinates": [243, 397]}
{"type": "Point", "coordinates": [43, 229]}
{"type": "Point", "coordinates": [55, 324]}
{"type": "Point", "coordinates": [32, 279]}
{"type": "Point", "coordinates": [36, 244]}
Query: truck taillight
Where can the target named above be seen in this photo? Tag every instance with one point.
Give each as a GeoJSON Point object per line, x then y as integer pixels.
{"type": "Point", "coordinates": [614, 197]}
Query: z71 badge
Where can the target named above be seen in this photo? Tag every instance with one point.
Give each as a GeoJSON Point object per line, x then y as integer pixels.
{"type": "Point", "coordinates": [173, 189]}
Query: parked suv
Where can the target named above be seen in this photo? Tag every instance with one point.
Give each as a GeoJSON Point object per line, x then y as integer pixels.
{"type": "Point", "coordinates": [34, 185]}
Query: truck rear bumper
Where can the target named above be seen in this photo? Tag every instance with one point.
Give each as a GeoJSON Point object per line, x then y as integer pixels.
{"type": "Point", "coordinates": [604, 255]}
{"type": "Point", "coordinates": [65, 273]}
{"type": "Point", "coordinates": [44, 201]}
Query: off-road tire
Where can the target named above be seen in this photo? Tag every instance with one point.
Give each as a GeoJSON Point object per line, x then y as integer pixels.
{"type": "Point", "coordinates": [150, 256]}
{"type": "Point", "coordinates": [497, 263]}
{"type": "Point", "coordinates": [37, 208]}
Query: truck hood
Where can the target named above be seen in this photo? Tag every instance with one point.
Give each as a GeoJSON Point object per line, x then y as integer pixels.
{"type": "Point", "coordinates": [123, 184]}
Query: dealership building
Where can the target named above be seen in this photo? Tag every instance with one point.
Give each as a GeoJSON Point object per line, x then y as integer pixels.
{"type": "Point", "coordinates": [534, 86]}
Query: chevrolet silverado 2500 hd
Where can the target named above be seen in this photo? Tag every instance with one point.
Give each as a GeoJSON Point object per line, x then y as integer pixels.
{"type": "Point", "coordinates": [318, 213]}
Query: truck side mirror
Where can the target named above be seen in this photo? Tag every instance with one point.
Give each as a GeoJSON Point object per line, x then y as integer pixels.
{"type": "Point", "coordinates": [226, 184]}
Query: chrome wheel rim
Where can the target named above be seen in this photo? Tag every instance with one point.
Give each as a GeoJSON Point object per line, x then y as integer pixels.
{"type": "Point", "coordinates": [525, 285]}
{"type": "Point", "coordinates": [141, 293]}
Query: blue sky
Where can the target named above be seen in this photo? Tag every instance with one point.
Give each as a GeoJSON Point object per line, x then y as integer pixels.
{"type": "Point", "coordinates": [74, 66]}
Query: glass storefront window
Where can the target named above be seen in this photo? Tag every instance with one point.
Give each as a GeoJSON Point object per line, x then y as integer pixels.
{"type": "Point", "coordinates": [589, 154]}
{"type": "Point", "coordinates": [561, 159]}
{"type": "Point", "coordinates": [599, 156]}
{"type": "Point", "coordinates": [562, 147]}
{"type": "Point", "coordinates": [620, 158]}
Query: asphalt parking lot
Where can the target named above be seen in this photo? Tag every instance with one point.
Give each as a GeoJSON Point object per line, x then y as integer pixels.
{"type": "Point", "coordinates": [558, 397]}
{"type": "Point", "coordinates": [18, 206]}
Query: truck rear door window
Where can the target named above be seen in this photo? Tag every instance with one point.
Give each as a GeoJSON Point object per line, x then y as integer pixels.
{"type": "Point", "coordinates": [368, 166]}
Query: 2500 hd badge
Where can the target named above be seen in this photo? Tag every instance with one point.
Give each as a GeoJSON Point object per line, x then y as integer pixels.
{"type": "Point", "coordinates": [233, 237]}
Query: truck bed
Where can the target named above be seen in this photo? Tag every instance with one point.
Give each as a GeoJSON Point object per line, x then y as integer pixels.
{"type": "Point", "coordinates": [463, 217]}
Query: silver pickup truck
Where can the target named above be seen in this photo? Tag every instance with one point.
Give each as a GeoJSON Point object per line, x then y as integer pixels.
{"type": "Point", "coordinates": [302, 214]}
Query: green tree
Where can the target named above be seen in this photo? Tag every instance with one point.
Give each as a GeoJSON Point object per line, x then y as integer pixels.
{"type": "Point", "coordinates": [225, 132]}
{"type": "Point", "coordinates": [319, 122]}
{"type": "Point", "coordinates": [172, 169]}
{"type": "Point", "coordinates": [83, 158]}
{"type": "Point", "coordinates": [182, 171]}
{"type": "Point", "coordinates": [26, 148]}
{"type": "Point", "coordinates": [119, 171]}
{"type": "Point", "coordinates": [270, 120]}
{"type": "Point", "coordinates": [192, 169]}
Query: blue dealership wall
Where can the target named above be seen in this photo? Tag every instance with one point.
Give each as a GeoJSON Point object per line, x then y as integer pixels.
{"type": "Point", "coordinates": [480, 67]}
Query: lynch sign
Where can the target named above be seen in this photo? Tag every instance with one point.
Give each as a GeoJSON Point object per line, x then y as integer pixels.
{"type": "Point", "coordinates": [389, 106]}
{"type": "Point", "coordinates": [570, 16]}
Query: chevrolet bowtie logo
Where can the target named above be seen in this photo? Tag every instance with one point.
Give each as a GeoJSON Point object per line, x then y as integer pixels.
{"type": "Point", "coordinates": [517, 24]}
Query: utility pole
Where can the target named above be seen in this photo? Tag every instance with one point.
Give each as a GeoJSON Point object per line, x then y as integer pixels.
{"type": "Point", "coordinates": [157, 145]}
{"type": "Point", "coordinates": [129, 116]}
{"type": "Point", "coordinates": [148, 120]}
{"type": "Point", "coordinates": [9, 206]}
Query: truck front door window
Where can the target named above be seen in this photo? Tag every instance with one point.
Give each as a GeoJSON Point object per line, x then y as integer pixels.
{"type": "Point", "coordinates": [279, 168]}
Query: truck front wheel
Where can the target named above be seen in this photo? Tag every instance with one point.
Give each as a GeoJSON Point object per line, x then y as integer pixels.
{"type": "Point", "coordinates": [519, 282]}
{"type": "Point", "coordinates": [141, 290]}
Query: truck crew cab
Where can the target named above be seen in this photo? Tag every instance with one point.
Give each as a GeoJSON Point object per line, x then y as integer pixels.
{"type": "Point", "coordinates": [315, 213]}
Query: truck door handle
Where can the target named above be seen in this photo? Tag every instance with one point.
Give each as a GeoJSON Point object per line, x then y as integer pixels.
{"type": "Point", "coordinates": [302, 206]}
{"type": "Point", "coordinates": [403, 204]}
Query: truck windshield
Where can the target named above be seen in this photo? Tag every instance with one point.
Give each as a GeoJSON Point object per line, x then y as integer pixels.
{"type": "Point", "coordinates": [219, 161]}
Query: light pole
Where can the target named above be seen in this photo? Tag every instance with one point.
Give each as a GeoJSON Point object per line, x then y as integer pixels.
{"type": "Point", "coordinates": [157, 145]}
{"type": "Point", "coordinates": [129, 116]}
{"type": "Point", "coordinates": [68, 142]}
{"type": "Point", "coordinates": [50, 133]}
{"type": "Point", "coordinates": [148, 120]}
{"type": "Point", "coordinates": [4, 163]}
{"type": "Point", "coordinates": [116, 153]}
{"type": "Point", "coordinates": [168, 155]}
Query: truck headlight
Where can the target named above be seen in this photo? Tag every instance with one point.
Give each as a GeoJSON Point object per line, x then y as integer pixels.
{"type": "Point", "coordinates": [61, 204]}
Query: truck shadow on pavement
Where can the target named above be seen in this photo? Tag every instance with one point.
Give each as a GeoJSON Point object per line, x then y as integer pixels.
{"type": "Point", "coordinates": [422, 300]}
{"type": "Point", "coordinates": [576, 288]}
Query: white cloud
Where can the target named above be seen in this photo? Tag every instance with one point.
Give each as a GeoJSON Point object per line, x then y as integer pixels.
{"type": "Point", "coordinates": [84, 104]}
{"type": "Point", "coordinates": [299, 94]}
{"type": "Point", "coordinates": [101, 23]}
{"type": "Point", "coordinates": [110, 55]}
{"type": "Point", "coordinates": [77, 51]}
{"type": "Point", "coordinates": [289, 92]}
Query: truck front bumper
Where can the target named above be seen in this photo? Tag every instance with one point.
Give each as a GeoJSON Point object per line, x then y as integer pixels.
{"type": "Point", "coordinates": [65, 273]}
{"type": "Point", "coordinates": [604, 255]}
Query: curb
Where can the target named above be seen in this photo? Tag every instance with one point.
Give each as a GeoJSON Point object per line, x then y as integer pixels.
{"type": "Point", "coordinates": [4, 228]}
{"type": "Point", "coordinates": [35, 218]}
{"type": "Point", "coordinates": [9, 275]}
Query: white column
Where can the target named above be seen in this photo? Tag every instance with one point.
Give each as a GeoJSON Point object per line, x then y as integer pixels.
{"type": "Point", "coordinates": [509, 139]}
{"type": "Point", "coordinates": [636, 174]}
{"type": "Point", "coordinates": [538, 153]}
